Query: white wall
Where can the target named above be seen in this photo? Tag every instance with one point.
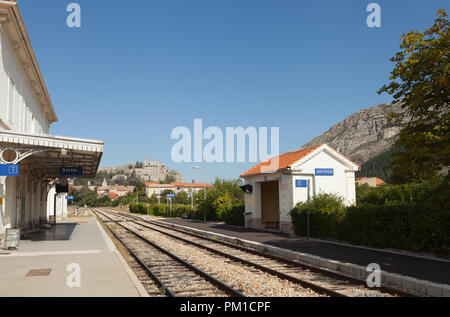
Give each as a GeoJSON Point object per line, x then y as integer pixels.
{"type": "Point", "coordinates": [341, 183]}
{"type": "Point", "coordinates": [26, 115]}
{"type": "Point", "coordinates": [61, 204]}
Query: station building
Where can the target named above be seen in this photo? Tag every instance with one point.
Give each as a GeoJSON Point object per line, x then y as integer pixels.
{"type": "Point", "coordinates": [275, 186]}
{"type": "Point", "coordinates": [32, 162]}
{"type": "Point", "coordinates": [156, 189]}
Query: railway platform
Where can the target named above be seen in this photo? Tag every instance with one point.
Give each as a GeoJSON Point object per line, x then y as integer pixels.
{"type": "Point", "coordinates": [405, 270]}
{"type": "Point", "coordinates": [47, 263]}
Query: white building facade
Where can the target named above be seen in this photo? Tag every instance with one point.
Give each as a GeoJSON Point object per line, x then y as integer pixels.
{"type": "Point", "coordinates": [272, 193]}
{"type": "Point", "coordinates": [155, 189]}
{"type": "Point", "coordinates": [26, 113]}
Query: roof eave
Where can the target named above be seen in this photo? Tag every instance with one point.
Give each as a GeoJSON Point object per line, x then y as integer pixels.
{"type": "Point", "coordinates": [18, 34]}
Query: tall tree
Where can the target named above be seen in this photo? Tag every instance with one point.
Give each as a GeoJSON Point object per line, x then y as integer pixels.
{"type": "Point", "coordinates": [420, 82]}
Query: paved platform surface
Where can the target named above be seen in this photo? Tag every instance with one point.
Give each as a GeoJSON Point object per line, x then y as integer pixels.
{"type": "Point", "coordinates": [79, 241]}
{"type": "Point", "coordinates": [418, 267]}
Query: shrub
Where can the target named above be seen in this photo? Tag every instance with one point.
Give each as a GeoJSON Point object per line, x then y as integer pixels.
{"type": "Point", "coordinates": [222, 205]}
{"type": "Point", "coordinates": [159, 210]}
{"type": "Point", "coordinates": [179, 210]}
{"type": "Point", "coordinates": [423, 193]}
{"type": "Point", "coordinates": [327, 211]}
{"type": "Point", "coordinates": [235, 215]}
{"type": "Point", "coordinates": [138, 208]}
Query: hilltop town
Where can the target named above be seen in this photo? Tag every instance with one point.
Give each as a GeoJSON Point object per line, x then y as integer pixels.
{"type": "Point", "coordinates": [147, 171]}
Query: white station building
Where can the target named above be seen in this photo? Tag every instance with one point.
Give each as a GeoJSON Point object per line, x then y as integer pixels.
{"type": "Point", "coordinates": [32, 162]}
{"type": "Point", "coordinates": [275, 186]}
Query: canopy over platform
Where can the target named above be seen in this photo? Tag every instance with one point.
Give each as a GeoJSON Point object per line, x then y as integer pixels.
{"type": "Point", "coordinates": [44, 156]}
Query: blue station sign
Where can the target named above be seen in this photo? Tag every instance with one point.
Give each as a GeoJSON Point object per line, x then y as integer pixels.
{"type": "Point", "coordinates": [171, 196]}
{"type": "Point", "coordinates": [69, 197]}
{"type": "Point", "coordinates": [71, 171]}
{"type": "Point", "coordinates": [324, 172]}
{"type": "Point", "coordinates": [9, 170]}
{"type": "Point", "coordinates": [301, 183]}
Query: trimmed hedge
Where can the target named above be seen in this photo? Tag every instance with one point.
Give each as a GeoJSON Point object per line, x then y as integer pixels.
{"type": "Point", "coordinates": [233, 215]}
{"type": "Point", "coordinates": [409, 217]}
{"type": "Point", "coordinates": [401, 226]}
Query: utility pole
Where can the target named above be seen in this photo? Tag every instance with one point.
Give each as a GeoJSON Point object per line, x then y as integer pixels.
{"type": "Point", "coordinates": [308, 213]}
{"type": "Point", "coordinates": [204, 191]}
{"type": "Point", "coordinates": [192, 196]}
{"type": "Point", "coordinates": [204, 203]}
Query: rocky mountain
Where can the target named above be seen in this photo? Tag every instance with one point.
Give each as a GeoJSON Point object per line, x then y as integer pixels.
{"type": "Point", "coordinates": [364, 135]}
{"type": "Point", "coordinates": [147, 171]}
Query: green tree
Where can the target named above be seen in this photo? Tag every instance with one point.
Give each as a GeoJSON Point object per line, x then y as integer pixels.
{"type": "Point", "coordinates": [168, 179]}
{"type": "Point", "coordinates": [222, 205]}
{"type": "Point", "coordinates": [420, 82]}
{"type": "Point", "coordinates": [182, 198]}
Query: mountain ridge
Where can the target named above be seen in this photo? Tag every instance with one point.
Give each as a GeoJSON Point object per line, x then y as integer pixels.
{"type": "Point", "coordinates": [363, 135]}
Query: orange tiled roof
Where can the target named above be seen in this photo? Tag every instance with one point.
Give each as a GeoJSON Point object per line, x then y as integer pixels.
{"type": "Point", "coordinates": [194, 185]}
{"type": "Point", "coordinates": [380, 182]}
{"type": "Point", "coordinates": [113, 196]}
{"type": "Point", "coordinates": [285, 160]}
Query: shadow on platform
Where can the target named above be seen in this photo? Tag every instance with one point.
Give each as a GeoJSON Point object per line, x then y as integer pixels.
{"type": "Point", "coordinates": [59, 232]}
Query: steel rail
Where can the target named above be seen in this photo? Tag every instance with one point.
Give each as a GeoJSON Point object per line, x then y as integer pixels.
{"type": "Point", "coordinates": [153, 276]}
{"type": "Point", "coordinates": [303, 283]}
{"type": "Point", "coordinates": [302, 266]}
{"type": "Point", "coordinates": [219, 284]}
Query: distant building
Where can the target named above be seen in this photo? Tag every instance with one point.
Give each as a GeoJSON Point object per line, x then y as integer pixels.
{"type": "Point", "coordinates": [275, 186]}
{"type": "Point", "coordinates": [187, 188]}
{"type": "Point", "coordinates": [119, 191]}
{"type": "Point", "coordinates": [155, 189]}
{"type": "Point", "coordinates": [150, 171]}
{"type": "Point", "coordinates": [113, 196]}
{"type": "Point", "coordinates": [372, 182]}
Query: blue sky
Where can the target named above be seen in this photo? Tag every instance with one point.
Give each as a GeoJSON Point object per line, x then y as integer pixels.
{"type": "Point", "coordinates": [135, 70]}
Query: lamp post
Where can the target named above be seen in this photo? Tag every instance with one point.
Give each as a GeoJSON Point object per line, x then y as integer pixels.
{"type": "Point", "coordinates": [192, 196]}
{"type": "Point", "coordinates": [204, 191]}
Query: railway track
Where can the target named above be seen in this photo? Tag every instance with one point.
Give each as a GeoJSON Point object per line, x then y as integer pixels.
{"type": "Point", "coordinates": [173, 276]}
{"type": "Point", "coordinates": [318, 280]}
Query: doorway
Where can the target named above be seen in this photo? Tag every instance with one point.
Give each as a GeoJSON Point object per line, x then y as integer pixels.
{"type": "Point", "coordinates": [270, 205]}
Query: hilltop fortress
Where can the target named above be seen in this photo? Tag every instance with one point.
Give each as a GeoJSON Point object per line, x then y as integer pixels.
{"type": "Point", "coordinates": [147, 171]}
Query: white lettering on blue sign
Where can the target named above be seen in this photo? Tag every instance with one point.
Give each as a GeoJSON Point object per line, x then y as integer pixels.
{"type": "Point", "coordinates": [324, 172]}
{"type": "Point", "coordinates": [9, 170]}
{"type": "Point", "coordinates": [301, 183]}
{"type": "Point", "coordinates": [71, 171]}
